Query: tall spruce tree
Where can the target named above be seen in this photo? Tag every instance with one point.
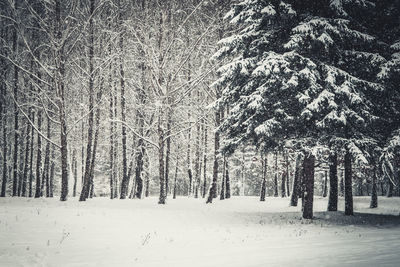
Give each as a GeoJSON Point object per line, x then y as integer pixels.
{"type": "Point", "coordinates": [294, 76]}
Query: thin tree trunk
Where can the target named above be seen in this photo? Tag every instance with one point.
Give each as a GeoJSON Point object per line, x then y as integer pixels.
{"type": "Point", "coordinates": [333, 182]}
{"type": "Point", "coordinates": [86, 179]}
{"type": "Point", "coordinates": [348, 192]}
{"type": "Point", "coordinates": [161, 161]}
{"type": "Point", "coordinates": [16, 112]}
{"type": "Point", "coordinates": [74, 171]}
{"type": "Point", "coordinates": [168, 150]}
{"type": "Point", "coordinates": [176, 172]}
{"type": "Point", "coordinates": [125, 180]}
{"type": "Point", "coordinates": [205, 164]}
{"type": "Point", "coordinates": [213, 189]}
{"type": "Point", "coordinates": [308, 163]}
{"type": "Point", "coordinates": [276, 175]}
{"type": "Point", "coordinates": [296, 183]}
{"type": "Point", "coordinates": [227, 181]}
{"type": "Point", "coordinates": [52, 170]}
{"type": "Point", "coordinates": [374, 193]}
{"type": "Point", "coordinates": [61, 94]}
{"type": "Point", "coordinates": [38, 192]}
{"type": "Point", "coordinates": [31, 178]}
{"type": "Point", "coordinates": [287, 173]}
{"type": "Point", "coordinates": [27, 152]}
{"type": "Point", "coordinates": [96, 138]}
{"type": "Point", "coordinates": [222, 195]}
{"type": "Point", "coordinates": [21, 163]}
{"type": "Point", "coordinates": [4, 181]}
{"type": "Point", "coordinates": [46, 170]}
{"type": "Point", "coordinates": [264, 162]}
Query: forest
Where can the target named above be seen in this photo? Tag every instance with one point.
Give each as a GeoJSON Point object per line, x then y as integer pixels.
{"type": "Point", "coordinates": [294, 103]}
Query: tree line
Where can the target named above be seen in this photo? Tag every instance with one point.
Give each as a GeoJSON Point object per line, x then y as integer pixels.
{"type": "Point", "coordinates": [129, 98]}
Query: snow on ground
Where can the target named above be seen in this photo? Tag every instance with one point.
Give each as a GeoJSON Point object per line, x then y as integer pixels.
{"type": "Point", "coordinates": [186, 232]}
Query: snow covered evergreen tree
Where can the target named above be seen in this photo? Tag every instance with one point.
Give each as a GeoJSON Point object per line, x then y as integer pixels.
{"type": "Point", "coordinates": [295, 76]}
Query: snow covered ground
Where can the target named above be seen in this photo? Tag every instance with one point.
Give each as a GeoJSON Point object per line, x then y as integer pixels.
{"type": "Point", "coordinates": [186, 232]}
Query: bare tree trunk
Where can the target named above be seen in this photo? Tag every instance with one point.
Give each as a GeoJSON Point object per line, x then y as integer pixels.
{"type": "Point", "coordinates": [60, 72]}
{"type": "Point", "coordinates": [86, 178]}
{"type": "Point", "coordinates": [74, 171]}
{"type": "Point", "coordinates": [287, 173]}
{"type": "Point", "coordinates": [283, 183]}
{"type": "Point", "coordinates": [222, 194]}
{"type": "Point", "coordinates": [21, 162]}
{"type": "Point", "coordinates": [264, 162]}
{"type": "Point", "coordinates": [276, 175]}
{"type": "Point", "coordinates": [125, 180]}
{"type": "Point", "coordinates": [227, 181]}
{"type": "Point", "coordinates": [161, 161]}
{"type": "Point", "coordinates": [16, 112]}
{"type": "Point", "coordinates": [296, 183]}
{"type": "Point", "coordinates": [213, 188]}
{"type": "Point", "coordinates": [52, 170]}
{"type": "Point", "coordinates": [38, 191]}
{"type": "Point", "coordinates": [348, 192]}
{"type": "Point", "coordinates": [309, 162]}
{"type": "Point", "coordinates": [30, 191]}
{"type": "Point", "coordinates": [205, 164]}
{"type": "Point", "coordinates": [168, 150]}
{"type": "Point", "coordinates": [4, 181]}
{"type": "Point", "coordinates": [176, 172]}
{"type": "Point", "coordinates": [46, 170]}
{"type": "Point", "coordinates": [27, 150]}
{"type": "Point", "coordinates": [333, 182]}
{"type": "Point", "coordinates": [374, 193]}
{"type": "Point", "coordinates": [96, 138]}
{"type": "Point", "coordinates": [198, 158]}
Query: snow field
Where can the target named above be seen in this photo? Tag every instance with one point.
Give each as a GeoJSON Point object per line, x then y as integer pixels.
{"type": "Point", "coordinates": [186, 232]}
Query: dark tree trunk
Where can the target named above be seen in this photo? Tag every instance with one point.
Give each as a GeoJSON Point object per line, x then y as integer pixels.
{"type": "Point", "coordinates": [21, 164]}
{"type": "Point", "coordinates": [296, 182]}
{"type": "Point", "coordinates": [333, 182]}
{"type": "Point", "coordinates": [4, 181]}
{"type": "Point", "coordinates": [46, 171]}
{"type": "Point", "coordinates": [16, 114]}
{"type": "Point", "coordinates": [287, 173]}
{"type": "Point", "coordinates": [86, 178]}
{"type": "Point", "coordinates": [74, 171]}
{"type": "Point", "coordinates": [198, 158]}
{"type": "Point", "coordinates": [222, 195]}
{"type": "Point", "coordinates": [176, 173]}
{"type": "Point", "coordinates": [139, 169]}
{"type": "Point", "coordinates": [309, 163]}
{"type": "Point", "coordinates": [27, 152]}
{"type": "Point", "coordinates": [283, 184]}
{"type": "Point", "coordinates": [38, 192]}
{"type": "Point", "coordinates": [205, 164]}
{"type": "Point", "coordinates": [31, 178]}
{"type": "Point", "coordinates": [276, 175]}
{"type": "Point", "coordinates": [264, 163]}
{"type": "Point", "coordinates": [348, 192]}
{"type": "Point", "coordinates": [213, 188]}
{"type": "Point", "coordinates": [168, 151]}
{"type": "Point", "coordinates": [52, 170]}
{"type": "Point", "coordinates": [374, 193]}
{"type": "Point", "coordinates": [161, 161]}
{"type": "Point", "coordinates": [125, 180]}
{"type": "Point", "coordinates": [96, 138]}
{"type": "Point", "coordinates": [61, 94]}
{"type": "Point", "coordinates": [227, 181]}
